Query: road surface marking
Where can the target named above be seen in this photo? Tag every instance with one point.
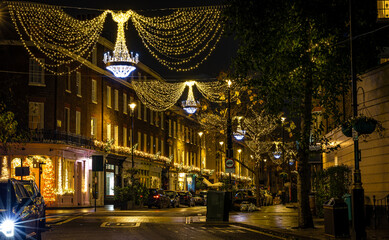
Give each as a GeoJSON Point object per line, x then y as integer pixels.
{"type": "Point", "coordinates": [66, 221]}
{"type": "Point", "coordinates": [256, 231]}
{"type": "Point", "coordinates": [119, 224]}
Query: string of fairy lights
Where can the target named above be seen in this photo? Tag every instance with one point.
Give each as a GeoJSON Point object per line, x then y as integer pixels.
{"type": "Point", "coordinates": [55, 34]}
{"type": "Point", "coordinates": [181, 41]}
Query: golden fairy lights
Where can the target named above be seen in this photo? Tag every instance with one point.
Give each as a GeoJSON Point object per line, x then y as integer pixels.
{"type": "Point", "coordinates": [160, 96]}
{"type": "Point", "coordinates": [181, 40]}
{"type": "Point", "coordinates": [60, 37]}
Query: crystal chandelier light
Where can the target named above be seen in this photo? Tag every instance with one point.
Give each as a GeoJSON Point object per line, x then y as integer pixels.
{"type": "Point", "coordinates": [239, 133]}
{"type": "Point", "coordinates": [190, 105]}
{"type": "Point", "coordinates": [121, 63]}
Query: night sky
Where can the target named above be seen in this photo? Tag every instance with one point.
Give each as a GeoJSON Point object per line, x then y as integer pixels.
{"type": "Point", "coordinates": [217, 62]}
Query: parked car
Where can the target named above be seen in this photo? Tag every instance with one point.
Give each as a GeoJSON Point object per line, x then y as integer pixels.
{"type": "Point", "coordinates": [157, 198]}
{"type": "Point", "coordinates": [199, 199]}
{"type": "Point", "coordinates": [246, 195]}
{"type": "Point", "coordinates": [35, 195]}
{"type": "Point", "coordinates": [174, 198]}
{"type": "Point", "coordinates": [186, 198]}
{"type": "Point", "coordinates": [19, 214]}
{"type": "Point", "coordinates": [204, 194]}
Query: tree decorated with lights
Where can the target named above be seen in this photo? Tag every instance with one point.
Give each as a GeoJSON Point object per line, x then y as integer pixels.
{"type": "Point", "coordinates": [290, 53]}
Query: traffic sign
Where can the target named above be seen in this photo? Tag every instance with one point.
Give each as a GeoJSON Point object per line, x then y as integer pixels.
{"type": "Point", "coordinates": [230, 165]}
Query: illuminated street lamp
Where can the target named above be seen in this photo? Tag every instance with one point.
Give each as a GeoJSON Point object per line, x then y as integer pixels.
{"type": "Point", "coordinates": [200, 134]}
{"type": "Point", "coordinates": [132, 107]}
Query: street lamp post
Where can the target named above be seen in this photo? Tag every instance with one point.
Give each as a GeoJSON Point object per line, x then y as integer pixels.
{"type": "Point", "coordinates": [132, 107]}
{"type": "Point", "coordinates": [239, 151]}
{"type": "Point", "coordinates": [229, 153]}
{"type": "Point", "coordinates": [200, 134]}
{"type": "Point", "coordinates": [357, 196]}
{"type": "Point", "coordinates": [221, 156]}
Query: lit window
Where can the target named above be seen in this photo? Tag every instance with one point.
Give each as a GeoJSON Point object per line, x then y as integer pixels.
{"type": "Point", "coordinates": [36, 115]}
{"type": "Point", "coordinates": [93, 123]}
{"type": "Point", "coordinates": [78, 83]}
{"type": "Point", "coordinates": [109, 135]}
{"type": "Point", "coordinates": [116, 95]}
{"type": "Point", "coordinates": [125, 103]}
{"type": "Point", "coordinates": [36, 72]}
{"type": "Point", "coordinates": [78, 122]}
{"type": "Point", "coordinates": [124, 136]}
{"type": "Point", "coordinates": [94, 91]}
{"type": "Point", "coordinates": [109, 98]}
{"type": "Point", "coordinates": [116, 136]}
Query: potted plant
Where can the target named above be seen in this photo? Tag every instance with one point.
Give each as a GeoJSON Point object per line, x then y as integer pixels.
{"type": "Point", "coordinates": [364, 125]}
{"type": "Point", "coordinates": [123, 197]}
{"type": "Point", "coordinates": [347, 129]}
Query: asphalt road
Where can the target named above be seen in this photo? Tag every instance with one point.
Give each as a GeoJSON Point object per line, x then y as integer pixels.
{"type": "Point", "coordinates": [173, 223]}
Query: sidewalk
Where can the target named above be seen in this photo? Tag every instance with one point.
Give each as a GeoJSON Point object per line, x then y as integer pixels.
{"type": "Point", "coordinates": [283, 220]}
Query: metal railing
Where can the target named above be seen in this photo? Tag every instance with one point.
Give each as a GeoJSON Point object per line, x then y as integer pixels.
{"type": "Point", "coordinates": [381, 212]}
{"type": "Point", "coordinates": [53, 136]}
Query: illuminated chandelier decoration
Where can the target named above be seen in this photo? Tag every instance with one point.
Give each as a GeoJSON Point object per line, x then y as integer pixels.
{"type": "Point", "coordinates": [239, 133]}
{"type": "Point", "coordinates": [160, 96]}
{"type": "Point", "coordinates": [121, 63]}
{"type": "Point", "coordinates": [190, 105]}
{"type": "Point", "coordinates": [181, 41]}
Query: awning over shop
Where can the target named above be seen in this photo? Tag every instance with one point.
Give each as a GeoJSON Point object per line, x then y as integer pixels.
{"type": "Point", "coordinates": [207, 182]}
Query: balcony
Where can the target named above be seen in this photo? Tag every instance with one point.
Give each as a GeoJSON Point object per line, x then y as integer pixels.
{"type": "Point", "coordinates": [53, 136]}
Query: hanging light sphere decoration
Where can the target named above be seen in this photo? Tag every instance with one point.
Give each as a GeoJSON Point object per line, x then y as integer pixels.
{"type": "Point", "coordinates": [190, 105]}
{"type": "Point", "coordinates": [121, 63]}
{"type": "Point", "coordinates": [277, 154]}
{"type": "Point", "coordinates": [239, 134]}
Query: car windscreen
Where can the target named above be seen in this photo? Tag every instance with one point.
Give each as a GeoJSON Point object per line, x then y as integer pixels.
{"type": "Point", "coordinates": [169, 193]}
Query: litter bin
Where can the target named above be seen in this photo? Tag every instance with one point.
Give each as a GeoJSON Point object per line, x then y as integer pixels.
{"type": "Point", "coordinates": [217, 206]}
{"type": "Point", "coordinates": [336, 218]}
{"type": "Point", "coordinates": [347, 199]}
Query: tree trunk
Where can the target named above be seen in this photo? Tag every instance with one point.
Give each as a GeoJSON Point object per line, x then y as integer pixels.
{"type": "Point", "coordinates": [304, 180]}
{"type": "Point", "coordinates": [257, 187]}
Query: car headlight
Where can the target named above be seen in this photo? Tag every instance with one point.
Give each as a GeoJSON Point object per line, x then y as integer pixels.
{"type": "Point", "coordinates": [8, 227]}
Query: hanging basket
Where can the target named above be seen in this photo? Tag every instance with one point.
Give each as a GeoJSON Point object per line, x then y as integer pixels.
{"type": "Point", "coordinates": [365, 125]}
{"type": "Point", "coordinates": [347, 129]}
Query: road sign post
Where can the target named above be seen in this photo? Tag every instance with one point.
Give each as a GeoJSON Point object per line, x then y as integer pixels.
{"type": "Point", "coordinates": [230, 165]}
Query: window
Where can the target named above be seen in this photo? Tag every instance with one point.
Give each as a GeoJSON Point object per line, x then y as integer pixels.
{"type": "Point", "coordinates": [162, 147]}
{"type": "Point", "coordinates": [109, 135]}
{"type": "Point", "coordinates": [145, 113]}
{"type": "Point", "coordinates": [93, 126]}
{"type": "Point", "coordinates": [124, 136]}
{"type": "Point", "coordinates": [174, 129]}
{"type": "Point", "coordinates": [67, 119]}
{"type": "Point", "coordinates": [162, 120]}
{"type": "Point", "coordinates": [36, 76]}
{"type": "Point", "coordinates": [78, 83]}
{"type": "Point", "coordinates": [116, 103]}
{"type": "Point", "coordinates": [68, 80]}
{"type": "Point", "coordinates": [151, 117]}
{"type": "Point", "coordinates": [170, 127]}
{"type": "Point", "coordinates": [157, 119]}
{"type": "Point", "coordinates": [139, 110]}
{"type": "Point", "coordinates": [36, 115]}
{"type": "Point", "coordinates": [151, 144]}
{"type": "Point", "coordinates": [109, 98]}
{"type": "Point", "coordinates": [383, 8]}
{"type": "Point", "coordinates": [125, 103]}
{"type": "Point", "coordinates": [116, 135]}
{"type": "Point", "coordinates": [139, 140]}
{"type": "Point", "coordinates": [94, 91]}
{"type": "Point", "coordinates": [78, 122]}
{"type": "Point", "coordinates": [145, 142]}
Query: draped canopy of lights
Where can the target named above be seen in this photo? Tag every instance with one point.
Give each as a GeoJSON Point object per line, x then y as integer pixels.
{"type": "Point", "coordinates": [181, 40]}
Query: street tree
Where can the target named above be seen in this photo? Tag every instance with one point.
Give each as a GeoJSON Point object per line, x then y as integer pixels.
{"type": "Point", "coordinates": [295, 54]}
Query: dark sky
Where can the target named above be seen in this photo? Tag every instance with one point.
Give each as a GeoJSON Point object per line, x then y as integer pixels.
{"type": "Point", "coordinates": [217, 62]}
